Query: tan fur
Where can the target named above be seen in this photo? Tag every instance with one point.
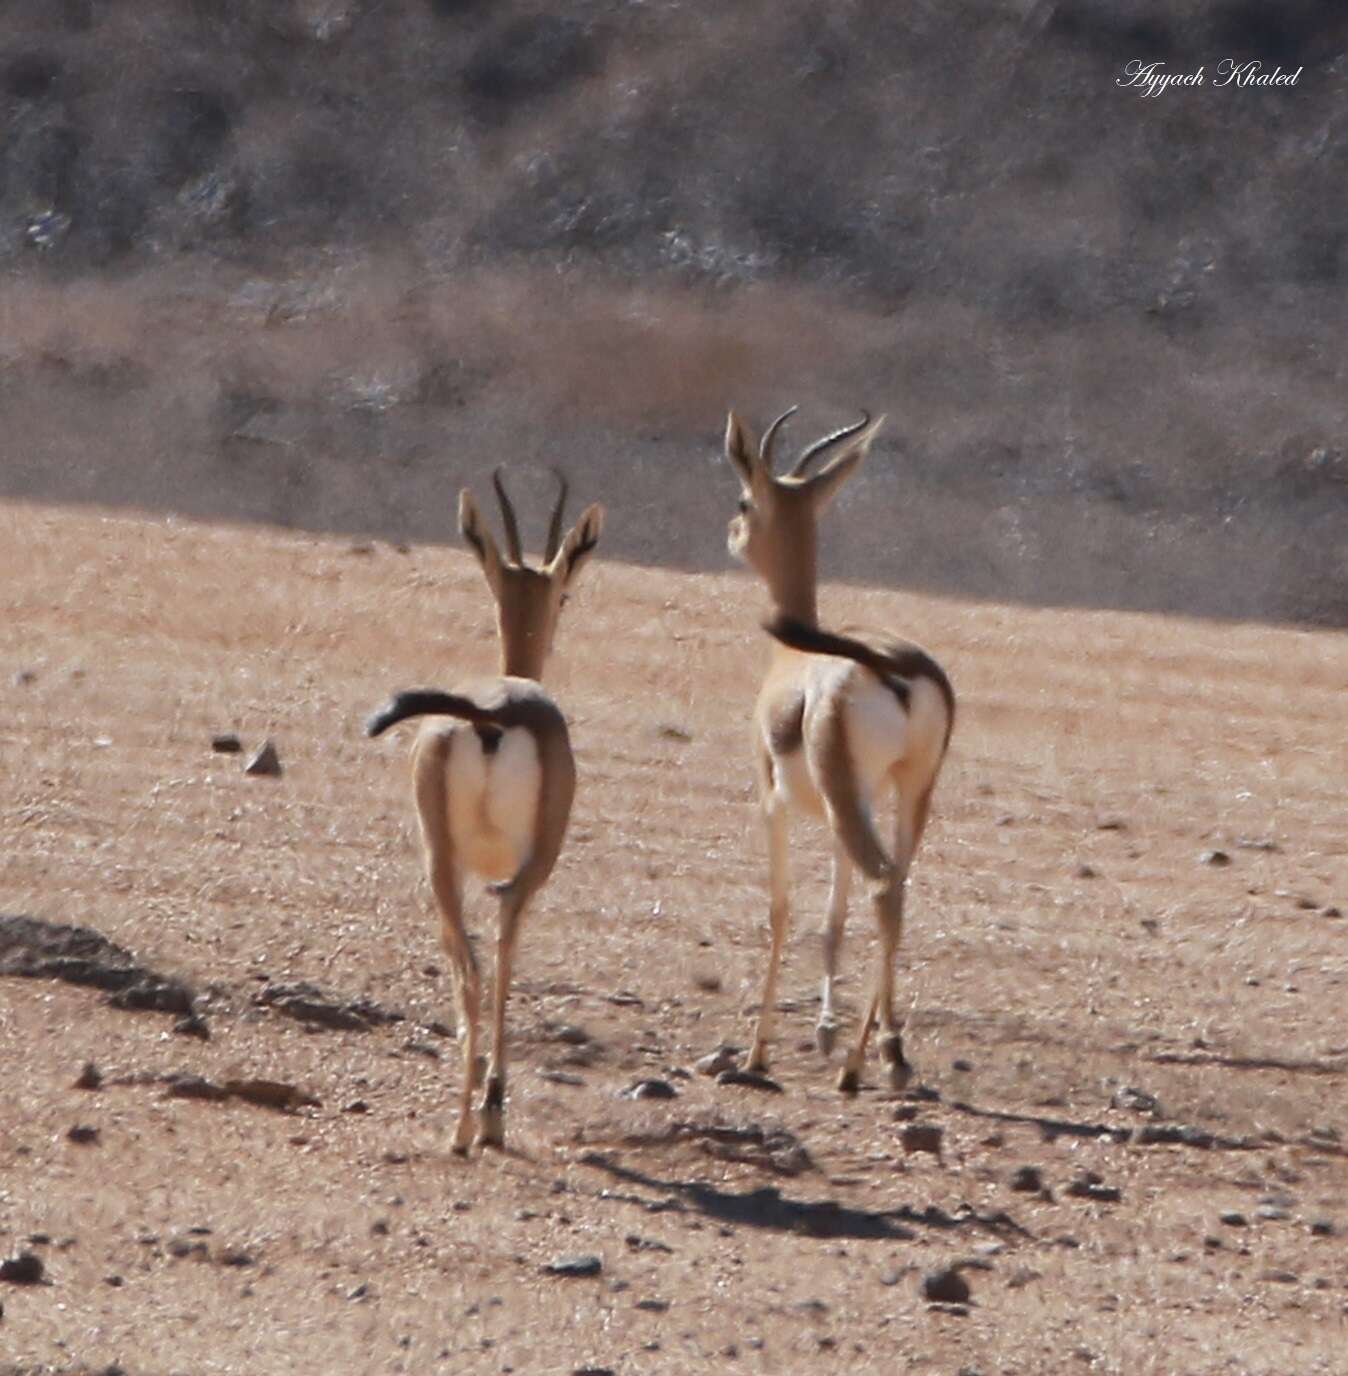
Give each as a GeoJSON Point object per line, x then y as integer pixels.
{"type": "Point", "coordinates": [874, 716]}
{"type": "Point", "coordinates": [474, 744]}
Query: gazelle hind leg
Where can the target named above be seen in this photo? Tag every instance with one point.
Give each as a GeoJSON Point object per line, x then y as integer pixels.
{"type": "Point", "coordinates": [826, 1030]}
{"type": "Point", "coordinates": [779, 916]}
{"type": "Point", "coordinates": [910, 822]}
{"type": "Point", "coordinates": [430, 764]}
{"type": "Point", "coordinates": [491, 1125]}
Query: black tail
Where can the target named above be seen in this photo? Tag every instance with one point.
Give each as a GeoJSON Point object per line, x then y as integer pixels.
{"type": "Point", "coordinates": [424, 702]}
{"type": "Point", "coordinates": [893, 669]}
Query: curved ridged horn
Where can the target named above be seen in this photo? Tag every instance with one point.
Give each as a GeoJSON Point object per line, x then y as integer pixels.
{"type": "Point", "coordinates": [555, 524]}
{"type": "Point", "coordinates": [770, 434]}
{"type": "Point", "coordinates": [512, 530]}
{"type": "Point", "coordinates": [818, 447]}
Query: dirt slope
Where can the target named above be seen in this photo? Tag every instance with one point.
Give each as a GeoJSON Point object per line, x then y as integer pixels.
{"type": "Point", "coordinates": [1065, 943]}
{"type": "Point", "coordinates": [310, 262]}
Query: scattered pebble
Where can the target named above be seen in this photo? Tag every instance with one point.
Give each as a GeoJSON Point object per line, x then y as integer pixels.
{"type": "Point", "coordinates": [917, 1137]}
{"type": "Point", "coordinates": [1136, 1101]}
{"type": "Point", "coordinates": [227, 744]}
{"type": "Point", "coordinates": [1278, 1277]}
{"type": "Point", "coordinates": [751, 1079]}
{"type": "Point", "coordinates": [651, 1089]}
{"type": "Point", "coordinates": [90, 1077]}
{"type": "Point", "coordinates": [586, 1264]}
{"type": "Point", "coordinates": [725, 1057]}
{"type": "Point", "coordinates": [193, 1025]}
{"type": "Point", "coordinates": [1027, 1180]}
{"type": "Point", "coordinates": [1090, 1186]}
{"type": "Point", "coordinates": [1216, 858]}
{"type": "Point", "coordinates": [24, 1269]}
{"type": "Point", "coordinates": [652, 1306]}
{"type": "Point", "coordinates": [1323, 1227]}
{"type": "Point", "coordinates": [82, 1134]}
{"type": "Point", "coordinates": [946, 1287]}
{"type": "Point", "coordinates": [265, 762]}
{"type": "Point", "coordinates": [1234, 1219]}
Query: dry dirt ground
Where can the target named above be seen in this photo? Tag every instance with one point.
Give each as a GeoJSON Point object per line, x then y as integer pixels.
{"type": "Point", "coordinates": [1066, 942]}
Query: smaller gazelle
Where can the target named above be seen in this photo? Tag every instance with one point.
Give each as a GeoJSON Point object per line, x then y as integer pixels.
{"type": "Point", "coordinates": [840, 720]}
{"type": "Point", "coordinates": [493, 785]}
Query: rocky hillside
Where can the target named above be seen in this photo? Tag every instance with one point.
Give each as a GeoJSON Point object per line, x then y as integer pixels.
{"type": "Point", "coordinates": [317, 261]}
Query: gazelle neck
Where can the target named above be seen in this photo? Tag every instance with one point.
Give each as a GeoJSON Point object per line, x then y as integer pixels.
{"type": "Point", "coordinates": [524, 660]}
{"type": "Point", "coordinates": [792, 579]}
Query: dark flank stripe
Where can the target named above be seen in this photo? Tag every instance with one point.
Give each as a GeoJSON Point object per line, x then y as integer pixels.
{"type": "Point", "coordinates": [892, 666]}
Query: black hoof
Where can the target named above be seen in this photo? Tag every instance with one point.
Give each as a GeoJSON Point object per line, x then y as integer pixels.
{"type": "Point", "coordinates": [849, 1081]}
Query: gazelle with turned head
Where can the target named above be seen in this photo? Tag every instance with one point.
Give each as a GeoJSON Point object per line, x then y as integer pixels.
{"type": "Point", "coordinates": [493, 777]}
{"type": "Point", "coordinates": [840, 721]}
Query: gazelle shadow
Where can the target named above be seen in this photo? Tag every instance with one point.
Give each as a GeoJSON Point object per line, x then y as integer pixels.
{"type": "Point", "coordinates": [765, 1207]}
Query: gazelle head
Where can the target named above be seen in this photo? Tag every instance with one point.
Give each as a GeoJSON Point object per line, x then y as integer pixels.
{"type": "Point", "coordinates": [528, 600]}
{"type": "Point", "coordinates": [774, 532]}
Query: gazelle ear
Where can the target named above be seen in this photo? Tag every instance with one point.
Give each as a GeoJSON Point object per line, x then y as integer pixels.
{"type": "Point", "coordinates": [578, 545]}
{"type": "Point", "coordinates": [740, 453]}
{"type": "Point", "coordinates": [478, 538]}
{"type": "Point", "coordinates": [823, 487]}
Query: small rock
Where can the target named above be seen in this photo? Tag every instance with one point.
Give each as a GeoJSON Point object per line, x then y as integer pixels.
{"type": "Point", "coordinates": [1331, 911]}
{"type": "Point", "coordinates": [356, 1106]}
{"type": "Point", "coordinates": [192, 1025]}
{"type": "Point", "coordinates": [651, 1089]}
{"type": "Point", "coordinates": [586, 1264]}
{"type": "Point", "coordinates": [1086, 872]}
{"type": "Point", "coordinates": [652, 1306]}
{"type": "Point", "coordinates": [559, 1077]}
{"type": "Point", "coordinates": [962, 1066]}
{"type": "Point", "coordinates": [82, 1134]}
{"type": "Point", "coordinates": [1233, 1219]}
{"type": "Point", "coordinates": [725, 1057]}
{"type": "Point", "coordinates": [1272, 1212]}
{"type": "Point", "coordinates": [23, 677]}
{"type": "Point", "coordinates": [90, 1077]}
{"type": "Point", "coordinates": [917, 1137]}
{"type": "Point", "coordinates": [1136, 1101]}
{"type": "Point", "coordinates": [265, 762]}
{"type": "Point", "coordinates": [751, 1079]}
{"type": "Point", "coordinates": [1090, 1186]}
{"type": "Point", "coordinates": [227, 744]}
{"type": "Point", "coordinates": [1216, 858]}
{"type": "Point", "coordinates": [1023, 1276]}
{"type": "Point", "coordinates": [946, 1287]}
{"type": "Point", "coordinates": [1277, 1277]}
{"type": "Point", "coordinates": [24, 1269]}
{"type": "Point", "coordinates": [235, 1257]}
{"type": "Point", "coordinates": [1323, 1227]}
{"type": "Point", "coordinates": [183, 1247]}
{"type": "Point", "coordinates": [1027, 1180]}
{"type": "Point", "coordinates": [569, 1035]}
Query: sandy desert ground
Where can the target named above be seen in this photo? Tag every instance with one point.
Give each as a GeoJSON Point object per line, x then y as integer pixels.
{"type": "Point", "coordinates": [1093, 994]}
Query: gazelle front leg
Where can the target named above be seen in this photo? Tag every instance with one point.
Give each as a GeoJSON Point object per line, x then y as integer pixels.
{"type": "Point", "coordinates": [827, 1028]}
{"type": "Point", "coordinates": [491, 1128]}
{"type": "Point", "coordinates": [779, 913]}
